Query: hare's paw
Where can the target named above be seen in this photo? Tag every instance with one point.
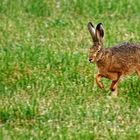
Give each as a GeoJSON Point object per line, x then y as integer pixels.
{"type": "Point", "coordinates": [114, 93]}
{"type": "Point", "coordinates": [112, 88]}
{"type": "Point", "coordinates": [100, 85]}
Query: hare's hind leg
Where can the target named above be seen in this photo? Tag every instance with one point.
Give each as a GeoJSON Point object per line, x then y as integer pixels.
{"type": "Point", "coordinates": [98, 77]}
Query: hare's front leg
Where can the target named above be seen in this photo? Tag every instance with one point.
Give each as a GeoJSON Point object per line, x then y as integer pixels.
{"type": "Point", "coordinates": [98, 77]}
{"type": "Point", "coordinates": [138, 70]}
{"type": "Point", "coordinates": [114, 83]}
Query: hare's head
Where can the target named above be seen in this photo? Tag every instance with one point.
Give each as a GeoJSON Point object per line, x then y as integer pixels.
{"type": "Point", "coordinates": [97, 35]}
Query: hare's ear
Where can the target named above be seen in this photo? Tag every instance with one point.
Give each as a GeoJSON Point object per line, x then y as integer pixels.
{"type": "Point", "coordinates": [99, 32]}
{"type": "Point", "coordinates": [91, 30]}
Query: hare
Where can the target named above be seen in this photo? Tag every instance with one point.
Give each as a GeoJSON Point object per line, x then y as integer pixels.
{"type": "Point", "coordinates": [115, 62]}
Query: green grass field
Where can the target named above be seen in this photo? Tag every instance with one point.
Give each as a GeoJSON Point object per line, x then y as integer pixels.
{"type": "Point", "coordinates": [47, 85]}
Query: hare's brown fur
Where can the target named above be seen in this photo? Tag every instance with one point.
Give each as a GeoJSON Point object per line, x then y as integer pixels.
{"type": "Point", "coordinates": [115, 62]}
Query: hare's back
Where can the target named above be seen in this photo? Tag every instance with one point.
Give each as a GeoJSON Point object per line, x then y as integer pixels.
{"type": "Point", "coordinates": [125, 57]}
{"type": "Point", "coordinates": [126, 49]}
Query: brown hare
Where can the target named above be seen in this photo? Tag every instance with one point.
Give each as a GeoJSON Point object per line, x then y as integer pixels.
{"type": "Point", "coordinates": [115, 62]}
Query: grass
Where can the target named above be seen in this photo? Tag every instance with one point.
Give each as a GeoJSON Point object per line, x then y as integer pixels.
{"type": "Point", "coordinates": [47, 86]}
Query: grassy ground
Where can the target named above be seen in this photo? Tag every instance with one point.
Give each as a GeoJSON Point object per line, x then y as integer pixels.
{"type": "Point", "coordinates": [47, 86]}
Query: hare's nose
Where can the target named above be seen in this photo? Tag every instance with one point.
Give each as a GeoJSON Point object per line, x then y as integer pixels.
{"type": "Point", "coordinates": [90, 60]}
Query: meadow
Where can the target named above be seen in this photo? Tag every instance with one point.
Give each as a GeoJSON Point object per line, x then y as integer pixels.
{"type": "Point", "coordinates": [47, 85]}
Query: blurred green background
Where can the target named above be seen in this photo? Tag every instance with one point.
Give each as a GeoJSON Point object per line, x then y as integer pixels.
{"type": "Point", "coordinates": [47, 86]}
